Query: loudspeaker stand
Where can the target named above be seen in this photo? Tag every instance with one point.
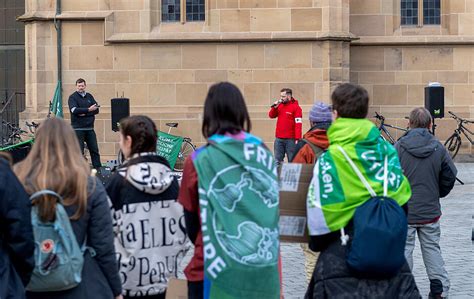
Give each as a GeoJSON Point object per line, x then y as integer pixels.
{"type": "Point", "coordinates": [433, 127]}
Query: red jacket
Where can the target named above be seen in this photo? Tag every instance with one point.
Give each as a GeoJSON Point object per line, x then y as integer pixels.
{"type": "Point", "coordinates": [289, 123]}
{"type": "Point", "coordinates": [305, 154]}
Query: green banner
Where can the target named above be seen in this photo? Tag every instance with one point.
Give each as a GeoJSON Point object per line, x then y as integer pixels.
{"type": "Point", "coordinates": [57, 103]}
{"type": "Point", "coordinates": [169, 146]}
{"type": "Point", "coordinates": [10, 147]}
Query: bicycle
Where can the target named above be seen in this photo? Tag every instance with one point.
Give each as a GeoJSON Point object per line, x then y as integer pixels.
{"type": "Point", "coordinates": [453, 143]}
{"type": "Point", "coordinates": [18, 147]}
{"type": "Point", "coordinates": [187, 147]}
{"type": "Point", "coordinates": [16, 134]}
{"type": "Point", "coordinates": [383, 129]}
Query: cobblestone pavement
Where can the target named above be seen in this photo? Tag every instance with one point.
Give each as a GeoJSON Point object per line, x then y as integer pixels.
{"type": "Point", "coordinates": [456, 245]}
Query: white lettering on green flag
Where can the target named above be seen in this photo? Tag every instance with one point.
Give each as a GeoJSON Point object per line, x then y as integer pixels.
{"type": "Point", "coordinates": [168, 147]}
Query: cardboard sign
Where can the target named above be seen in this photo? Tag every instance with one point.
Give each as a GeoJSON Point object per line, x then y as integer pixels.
{"type": "Point", "coordinates": [177, 289]}
{"type": "Point", "coordinates": [294, 183]}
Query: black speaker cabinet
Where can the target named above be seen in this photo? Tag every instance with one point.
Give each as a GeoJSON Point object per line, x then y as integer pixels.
{"type": "Point", "coordinates": [120, 109]}
{"type": "Point", "coordinates": [434, 100]}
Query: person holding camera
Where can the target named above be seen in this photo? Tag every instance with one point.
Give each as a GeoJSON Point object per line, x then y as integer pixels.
{"type": "Point", "coordinates": [289, 125]}
{"type": "Point", "coordinates": [83, 108]}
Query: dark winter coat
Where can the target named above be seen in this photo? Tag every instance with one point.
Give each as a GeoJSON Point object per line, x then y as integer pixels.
{"type": "Point", "coordinates": [16, 235]}
{"type": "Point", "coordinates": [430, 171]}
{"type": "Point", "coordinates": [333, 279]}
{"type": "Point", "coordinates": [100, 277]}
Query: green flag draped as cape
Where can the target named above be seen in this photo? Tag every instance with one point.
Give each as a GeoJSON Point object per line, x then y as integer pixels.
{"type": "Point", "coordinates": [238, 199]}
{"type": "Point", "coordinates": [336, 191]}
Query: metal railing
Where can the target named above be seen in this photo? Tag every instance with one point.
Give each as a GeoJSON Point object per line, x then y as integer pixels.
{"type": "Point", "coordinates": [10, 108]}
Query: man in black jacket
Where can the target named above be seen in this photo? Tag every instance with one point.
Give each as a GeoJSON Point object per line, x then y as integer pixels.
{"type": "Point", "coordinates": [431, 173]}
{"type": "Point", "coordinates": [16, 235]}
{"type": "Point", "coordinates": [83, 108]}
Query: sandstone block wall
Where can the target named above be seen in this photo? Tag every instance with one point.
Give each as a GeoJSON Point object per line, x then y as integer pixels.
{"type": "Point", "coordinates": [121, 48]}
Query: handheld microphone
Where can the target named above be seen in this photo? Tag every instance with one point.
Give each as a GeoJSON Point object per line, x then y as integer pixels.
{"type": "Point", "coordinates": [278, 103]}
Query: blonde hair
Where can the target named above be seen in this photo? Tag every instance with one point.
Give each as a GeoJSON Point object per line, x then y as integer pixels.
{"type": "Point", "coordinates": [55, 162]}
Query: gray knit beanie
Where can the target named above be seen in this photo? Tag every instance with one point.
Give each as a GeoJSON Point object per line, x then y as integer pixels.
{"type": "Point", "coordinates": [321, 113]}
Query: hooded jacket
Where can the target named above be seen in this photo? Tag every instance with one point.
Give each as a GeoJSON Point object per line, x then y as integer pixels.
{"type": "Point", "coordinates": [430, 171]}
{"type": "Point", "coordinates": [289, 123]}
{"type": "Point", "coordinates": [304, 153]}
{"type": "Point", "coordinates": [149, 226]}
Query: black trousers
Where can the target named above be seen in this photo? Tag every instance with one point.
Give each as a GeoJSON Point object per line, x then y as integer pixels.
{"type": "Point", "coordinates": [89, 137]}
{"type": "Point", "coordinates": [195, 289]}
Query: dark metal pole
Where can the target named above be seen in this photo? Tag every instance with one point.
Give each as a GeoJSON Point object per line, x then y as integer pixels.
{"type": "Point", "coordinates": [57, 25]}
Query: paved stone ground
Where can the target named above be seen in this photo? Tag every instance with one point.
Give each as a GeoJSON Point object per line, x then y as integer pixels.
{"type": "Point", "coordinates": [456, 245]}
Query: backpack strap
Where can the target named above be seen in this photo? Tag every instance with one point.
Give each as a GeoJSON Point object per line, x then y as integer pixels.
{"type": "Point", "coordinates": [46, 192]}
{"type": "Point", "coordinates": [344, 237]}
{"type": "Point", "coordinates": [316, 149]}
{"type": "Point", "coordinates": [363, 179]}
{"type": "Point", "coordinates": [37, 194]}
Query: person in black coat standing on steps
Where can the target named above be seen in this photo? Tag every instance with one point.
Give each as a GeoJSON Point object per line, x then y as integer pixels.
{"type": "Point", "coordinates": [83, 108]}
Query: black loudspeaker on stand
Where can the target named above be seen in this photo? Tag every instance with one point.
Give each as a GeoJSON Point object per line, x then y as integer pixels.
{"type": "Point", "coordinates": [434, 102]}
{"type": "Point", "coordinates": [120, 109]}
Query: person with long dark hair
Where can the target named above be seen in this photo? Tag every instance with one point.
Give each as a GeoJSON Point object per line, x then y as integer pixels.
{"type": "Point", "coordinates": [144, 195]}
{"type": "Point", "coordinates": [230, 196]}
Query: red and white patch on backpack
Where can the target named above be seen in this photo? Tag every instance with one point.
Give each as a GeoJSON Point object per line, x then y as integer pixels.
{"type": "Point", "coordinates": [47, 246]}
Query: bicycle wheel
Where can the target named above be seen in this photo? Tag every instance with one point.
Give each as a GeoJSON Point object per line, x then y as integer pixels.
{"type": "Point", "coordinates": [186, 149]}
{"type": "Point", "coordinates": [452, 145]}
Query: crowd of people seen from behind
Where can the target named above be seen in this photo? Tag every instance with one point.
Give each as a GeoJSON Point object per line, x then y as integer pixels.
{"type": "Point", "coordinates": [66, 234]}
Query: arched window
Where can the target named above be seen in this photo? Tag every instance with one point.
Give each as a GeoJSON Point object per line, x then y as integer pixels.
{"type": "Point", "coordinates": [420, 12]}
{"type": "Point", "coordinates": [173, 11]}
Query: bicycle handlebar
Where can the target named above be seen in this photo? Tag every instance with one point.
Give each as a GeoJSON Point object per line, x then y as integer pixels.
{"type": "Point", "coordinates": [378, 116]}
{"type": "Point", "coordinates": [31, 126]}
{"type": "Point", "coordinates": [462, 120]}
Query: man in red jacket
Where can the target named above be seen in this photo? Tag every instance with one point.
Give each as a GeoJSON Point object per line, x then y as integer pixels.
{"type": "Point", "coordinates": [289, 123]}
